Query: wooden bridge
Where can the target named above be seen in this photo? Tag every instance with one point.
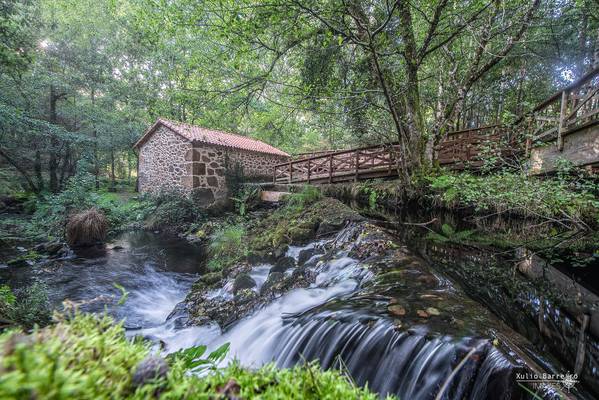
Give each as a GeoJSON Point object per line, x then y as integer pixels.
{"type": "Point", "coordinates": [566, 125]}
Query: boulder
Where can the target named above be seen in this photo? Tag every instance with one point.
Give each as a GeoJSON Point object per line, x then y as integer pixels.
{"type": "Point", "coordinates": [211, 278]}
{"type": "Point", "coordinates": [280, 251]}
{"type": "Point", "coordinates": [327, 228]}
{"type": "Point", "coordinates": [257, 257]}
{"type": "Point", "coordinates": [307, 254]}
{"type": "Point", "coordinates": [283, 264]}
{"type": "Point", "coordinates": [243, 281]}
{"type": "Point", "coordinates": [272, 279]}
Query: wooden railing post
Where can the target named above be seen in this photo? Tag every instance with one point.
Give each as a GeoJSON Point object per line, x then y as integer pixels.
{"type": "Point", "coordinates": [357, 162]}
{"type": "Point", "coordinates": [309, 166]}
{"type": "Point", "coordinates": [290, 172]}
{"type": "Point", "coordinates": [562, 123]}
{"type": "Point", "coordinates": [274, 176]}
{"type": "Point", "coordinates": [331, 168]}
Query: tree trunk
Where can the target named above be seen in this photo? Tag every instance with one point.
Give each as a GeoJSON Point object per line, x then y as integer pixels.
{"type": "Point", "coordinates": [37, 167]}
{"type": "Point", "coordinates": [413, 112]}
{"type": "Point", "coordinates": [32, 186]}
{"type": "Point", "coordinates": [112, 177]}
{"type": "Point", "coordinates": [54, 144]}
{"type": "Point", "coordinates": [95, 136]}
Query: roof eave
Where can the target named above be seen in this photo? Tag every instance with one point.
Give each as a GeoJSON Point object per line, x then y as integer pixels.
{"type": "Point", "coordinates": [153, 128]}
{"type": "Point", "coordinates": [196, 141]}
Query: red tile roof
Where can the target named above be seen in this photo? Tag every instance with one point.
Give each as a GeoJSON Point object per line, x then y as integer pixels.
{"type": "Point", "coordinates": [202, 135]}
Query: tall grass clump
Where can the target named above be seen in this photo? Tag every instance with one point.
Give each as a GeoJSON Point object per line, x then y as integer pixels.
{"type": "Point", "coordinates": [227, 246]}
{"type": "Point", "coordinates": [87, 228]}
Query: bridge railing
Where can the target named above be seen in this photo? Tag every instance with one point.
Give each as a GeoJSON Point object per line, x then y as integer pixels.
{"type": "Point", "coordinates": [469, 147]}
{"type": "Point", "coordinates": [371, 161]}
{"type": "Point", "coordinates": [573, 108]}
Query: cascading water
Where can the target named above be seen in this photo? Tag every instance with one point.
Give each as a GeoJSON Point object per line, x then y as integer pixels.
{"type": "Point", "coordinates": [335, 320]}
{"type": "Point", "coordinates": [300, 326]}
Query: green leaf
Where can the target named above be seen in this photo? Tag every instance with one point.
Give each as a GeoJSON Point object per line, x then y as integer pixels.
{"type": "Point", "coordinates": [124, 294]}
{"type": "Point", "coordinates": [219, 354]}
{"type": "Point", "coordinates": [447, 230]}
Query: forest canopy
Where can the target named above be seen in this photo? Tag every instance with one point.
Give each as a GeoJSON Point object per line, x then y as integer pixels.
{"type": "Point", "coordinates": [81, 80]}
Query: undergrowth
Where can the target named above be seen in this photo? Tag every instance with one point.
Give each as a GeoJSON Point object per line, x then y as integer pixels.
{"type": "Point", "coordinates": [50, 212]}
{"type": "Point", "coordinates": [25, 307]}
{"type": "Point", "coordinates": [89, 357]}
{"type": "Point", "coordinates": [227, 246]}
{"type": "Point", "coordinates": [560, 200]}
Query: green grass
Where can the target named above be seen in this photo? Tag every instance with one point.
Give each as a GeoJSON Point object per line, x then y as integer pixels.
{"type": "Point", "coordinates": [89, 357]}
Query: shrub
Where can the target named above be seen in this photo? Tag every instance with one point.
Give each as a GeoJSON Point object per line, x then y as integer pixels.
{"type": "Point", "coordinates": [52, 211]}
{"type": "Point", "coordinates": [227, 246]}
{"type": "Point", "coordinates": [26, 307]}
{"type": "Point", "coordinates": [86, 228]}
{"type": "Point", "coordinates": [173, 210]}
{"type": "Point", "coordinates": [246, 199]}
{"type": "Point", "coordinates": [506, 192]}
{"type": "Point", "coordinates": [89, 357]}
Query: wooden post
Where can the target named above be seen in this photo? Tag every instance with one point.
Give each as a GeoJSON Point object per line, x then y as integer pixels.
{"type": "Point", "coordinates": [562, 123]}
{"type": "Point", "coordinates": [309, 166]}
{"type": "Point", "coordinates": [357, 162]}
{"type": "Point", "coordinates": [529, 137]}
{"type": "Point", "coordinates": [274, 176]}
{"type": "Point", "coordinates": [290, 171]}
{"type": "Point", "coordinates": [581, 344]}
{"type": "Point", "coordinates": [331, 168]}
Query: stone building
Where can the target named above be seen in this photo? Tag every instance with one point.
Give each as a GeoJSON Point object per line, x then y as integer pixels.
{"type": "Point", "coordinates": [183, 157]}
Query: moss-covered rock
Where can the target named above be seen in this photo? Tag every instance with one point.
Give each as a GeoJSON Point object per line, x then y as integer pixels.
{"type": "Point", "coordinates": [296, 224]}
{"type": "Point", "coordinates": [211, 278]}
{"type": "Point", "coordinates": [243, 281]}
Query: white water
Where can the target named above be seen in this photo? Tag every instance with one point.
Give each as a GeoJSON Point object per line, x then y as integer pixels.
{"type": "Point", "coordinates": [251, 339]}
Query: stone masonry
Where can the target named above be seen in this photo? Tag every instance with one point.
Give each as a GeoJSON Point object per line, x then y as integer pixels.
{"type": "Point", "coordinates": [169, 162]}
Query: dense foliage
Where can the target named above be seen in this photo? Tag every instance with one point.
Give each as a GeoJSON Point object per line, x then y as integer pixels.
{"type": "Point", "coordinates": [89, 357]}
{"type": "Point", "coordinates": [25, 307]}
{"type": "Point", "coordinates": [83, 79]}
{"type": "Point", "coordinates": [561, 200]}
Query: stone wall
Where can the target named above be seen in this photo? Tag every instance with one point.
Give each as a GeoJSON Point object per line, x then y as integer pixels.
{"type": "Point", "coordinates": [256, 165]}
{"type": "Point", "coordinates": [210, 164]}
{"type": "Point", "coordinates": [580, 148]}
{"type": "Point", "coordinates": [162, 162]}
{"type": "Point", "coordinates": [168, 161]}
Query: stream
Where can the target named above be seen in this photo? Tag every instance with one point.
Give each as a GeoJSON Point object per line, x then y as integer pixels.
{"type": "Point", "coordinates": [342, 319]}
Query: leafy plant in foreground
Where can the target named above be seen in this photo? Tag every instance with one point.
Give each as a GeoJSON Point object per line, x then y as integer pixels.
{"type": "Point", "coordinates": [86, 356]}
{"type": "Point", "coordinates": [191, 357]}
{"type": "Point", "coordinates": [26, 307]}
